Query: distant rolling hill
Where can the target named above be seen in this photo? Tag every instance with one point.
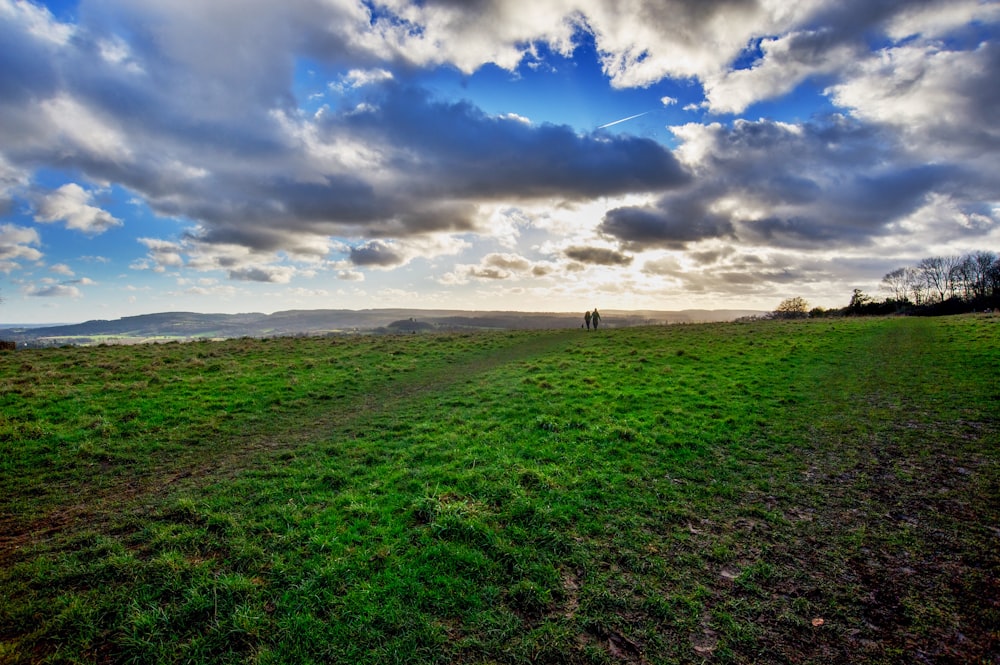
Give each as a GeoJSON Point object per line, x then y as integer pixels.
{"type": "Point", "coordinates": [191, 325]}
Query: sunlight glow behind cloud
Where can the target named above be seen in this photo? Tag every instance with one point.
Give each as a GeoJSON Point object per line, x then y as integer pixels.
{"type": "Point", "coordinates": [352, 154]}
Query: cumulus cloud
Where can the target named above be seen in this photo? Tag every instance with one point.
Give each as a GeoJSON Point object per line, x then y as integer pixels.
{"type": "Point", "coordinates": [673, 222]}
{"type": "Point", "coordinates": [350, 276]}
{"type": "Point", "coordinates": [217, 138]}
{"type": "Point", "coordinates": [818, 185]}
{"type": "Point", "coordinates": [17, 243]}
{"type": "Point", "coordinates": [496, 266]}
{"type": "Point", "coordinates": [70, 204]}
{"type": "Point", "coordinates": [162, 254]}
{"type": "Point", "coordinates": [358, 78]}
{"type": "Point", "coordinates": [826, 41]}
{"type": "Point", "coordinates": [936, 19]}
{"type": "Point", "coordinates": [82, 281]}
{"type": "Point", "coordinates": [510, 262]}
{"type": "Point", "coordinates": [455, 151]}
{"type": "Point", "coordinates": [224, 290]}
{"type": "Point", "coordinates": [785, 62]}
{"type": "Point", "coordinates": [737, 274]}
{"type": "Point", "coordinates": [264, 273]}
{"type": "Point", "coordinates": [12, 180]}
{"type": "Point", "coordinates": [598, 255]}
{"type": "Point", "coordinates": [941, 100]}
{"type": "Point", "coordinates": [53, 291]}
{"type": "Point", "coordinates": [240, 263]}
{"type": "Point", "coordinates": [192, 108]}
{"type": "Point", "coordinates": [376, 253]}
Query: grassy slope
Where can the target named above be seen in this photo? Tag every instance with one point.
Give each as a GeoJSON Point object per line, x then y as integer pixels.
{"type": "Point", "coordinates": [790, 492]}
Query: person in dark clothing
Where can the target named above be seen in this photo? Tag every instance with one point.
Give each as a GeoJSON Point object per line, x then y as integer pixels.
{"type": "Point", "coordinates": [595, 318]}
{"type": "Point", "coordinates": [586, 319]}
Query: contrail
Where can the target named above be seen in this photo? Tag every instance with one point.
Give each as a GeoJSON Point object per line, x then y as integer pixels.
{"type": "Point", "coordinates": [631, 117]}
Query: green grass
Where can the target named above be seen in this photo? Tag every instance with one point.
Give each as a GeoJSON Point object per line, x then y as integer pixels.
{"type": "Point", "coordinates": [671, 494]}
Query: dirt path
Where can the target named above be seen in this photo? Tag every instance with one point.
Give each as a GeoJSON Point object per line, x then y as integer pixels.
{"type": "Point", "coordinates": [204, 464]}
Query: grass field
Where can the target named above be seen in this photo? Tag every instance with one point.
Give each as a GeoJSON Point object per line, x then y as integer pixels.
{"type": "Point", "coordinates": [822, 491]}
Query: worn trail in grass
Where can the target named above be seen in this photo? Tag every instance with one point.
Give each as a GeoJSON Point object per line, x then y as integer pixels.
{"type": "Point", "coordinates": [817, 492]}
{"type": "Point", "coordinates": [111, 480]}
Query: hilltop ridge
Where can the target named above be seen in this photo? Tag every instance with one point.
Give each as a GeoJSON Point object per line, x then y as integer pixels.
{"type": "Point", "coordinates": [193, 325]}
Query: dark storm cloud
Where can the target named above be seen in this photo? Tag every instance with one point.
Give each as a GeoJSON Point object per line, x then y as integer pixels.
{"type": "Point", "coordinates": [441, 158]}
{"type": "Point", "coordinates": [598, 255]}
{"type": "Point", "coordinates": [455, 149]}
{"type": "Point", "coordinates": [672, 224]}
{"type": "Point", "coordinates": [194, 110]}
{"type": "Point", "coordinates": [205, 129]}
{"type": "Point", "coordinates": [859, 184]}
{"type": "Point", "coordinates": [864, 207]}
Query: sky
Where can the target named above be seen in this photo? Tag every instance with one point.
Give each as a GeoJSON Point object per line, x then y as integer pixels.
{"type": "Point", "coordinates": [257, 156]}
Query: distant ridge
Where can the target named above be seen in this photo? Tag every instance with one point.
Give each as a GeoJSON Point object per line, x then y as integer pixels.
{"type": "Point", "coordinates": [192, 325]}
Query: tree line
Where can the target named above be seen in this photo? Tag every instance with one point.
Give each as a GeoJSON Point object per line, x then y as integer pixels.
{"type": "Point", "coordinates": [935, 285]}
{"type": "Point", "coordinates": [973, 277]}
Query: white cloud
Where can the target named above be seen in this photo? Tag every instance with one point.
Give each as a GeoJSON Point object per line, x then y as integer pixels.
{"type": "Point", "coordinates": [193, 108]}
{"type": "Point", "coordinates": [116, 52]}
{"type": "Point", "coordinates": [941, 100]}
{"type": "Point", "coordinates": [217, 290]}
{"type": "Point", "coordinates": [493, 266]}
{"type": "Point", "coordinates": [16, 245]}
{"type": "Point", "coordinates": [516, 118]}
{"type": "Point", "coordinates": [640, 41]}
{"type": "Point", "coordinates": [263, 273]}
{"type": "Point", "coordinates": [359, 78]}
{"type": "Point", "coordinates": [786, 62]}
{"type": "Point", "coordinates": [53, 291]}
{"type": "Point", "coordinates": [933, 20]}
{"type": "Point", "coordinates": [37, 21]}
{"type": "Point", "coordinates": [71, 204]}
{"type": "Point", "coordinates": [84, 129]}
{"type": "Point", "coordinates": [836, 183]}
{"type": "Point", "coordinates": [493, 32]}
{"type": "Point", "coordinates": [162, 254]}
{"type": "Point", "coordinates": [12, 180]}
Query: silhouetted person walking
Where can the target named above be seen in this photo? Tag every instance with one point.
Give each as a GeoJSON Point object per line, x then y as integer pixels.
{"type": "Point", "coordinates": [586, 319]}
{"type": "Point", "coordinates": [595, 318]}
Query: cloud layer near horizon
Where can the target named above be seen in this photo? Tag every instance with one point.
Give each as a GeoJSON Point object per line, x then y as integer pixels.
{"type": "Point", "coordinates": [192, 107]}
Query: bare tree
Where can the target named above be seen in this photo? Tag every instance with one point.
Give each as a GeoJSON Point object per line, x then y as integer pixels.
{"type": "Point", "coordinates": [993, 279]}
{"type": "Point", "coordinates": [951, 266]}
{"type": "Point", "coordinates": [915, 286]}
{"type": "Point", "coordinates": [966, 277]}
{"type": "Point", "coordinates": [976, 269]}
{"type": "Point", "coordinates": [934, 273]}
{"type": "Point", "coordinates": [896, 283]}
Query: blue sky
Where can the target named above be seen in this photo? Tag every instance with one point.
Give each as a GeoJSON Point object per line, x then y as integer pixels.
{"type": "Point", "coordinates": [246, 155]}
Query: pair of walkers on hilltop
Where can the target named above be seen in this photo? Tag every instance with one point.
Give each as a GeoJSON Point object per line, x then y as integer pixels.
{"type": "Point", "coordinates": [592, 319]}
